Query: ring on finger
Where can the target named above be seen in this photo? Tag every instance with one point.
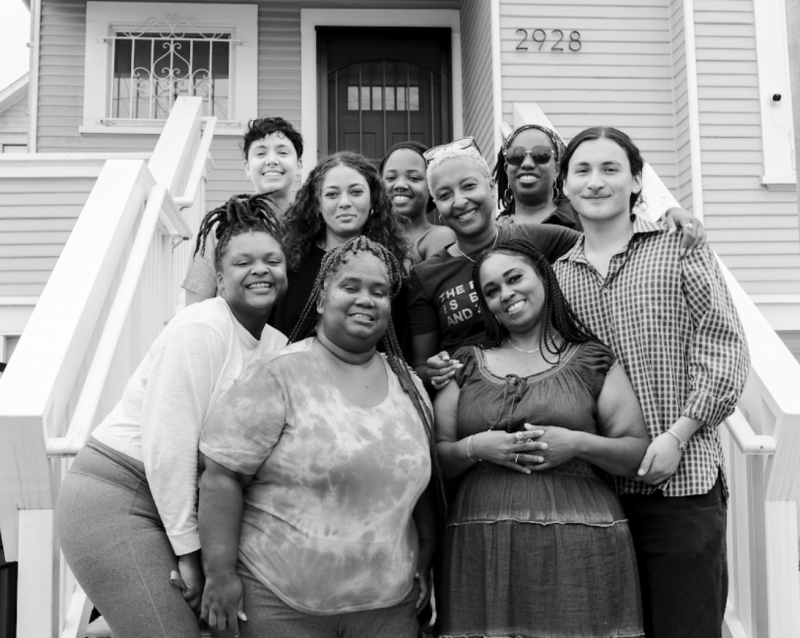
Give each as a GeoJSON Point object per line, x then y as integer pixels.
{"type": "Point", "coordinates": [516, 459]}
{"type": "Point", "coordinates": [689, 225]}
{"type": "Point", "coordinates": [518, 435]}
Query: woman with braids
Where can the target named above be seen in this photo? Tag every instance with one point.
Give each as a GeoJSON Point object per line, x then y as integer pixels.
{"type": "Point", "coordinates": [536, 542]}
{"type": "Point", "coordinates": [315, 507]}
{"type": "Point", "coordinates": [273, 149]}
{"type": "Point", "coordinates": [343, 197]}
{"type": "Point", "coordinates": [403, 170]}
{"type": "Point", "coordinates": [127, 511]}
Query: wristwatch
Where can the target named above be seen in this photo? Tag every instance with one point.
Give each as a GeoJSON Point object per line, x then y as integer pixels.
{"type": "Point", "coordinates": [682, 445]}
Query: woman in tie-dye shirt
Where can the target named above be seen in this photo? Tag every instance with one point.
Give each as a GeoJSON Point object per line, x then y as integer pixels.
{"type": "Point", "coordinates": [318, 462]}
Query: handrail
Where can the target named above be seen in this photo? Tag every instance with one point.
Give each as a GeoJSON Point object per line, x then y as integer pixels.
{"type": "Point", "coordinates": [746, 439]}
{"type": "Point", "coordinates": [203, 150]}
{"type": "Point", "coordinates": [80, 426]}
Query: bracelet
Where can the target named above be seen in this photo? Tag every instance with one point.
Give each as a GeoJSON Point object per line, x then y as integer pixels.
{"type": "Point", "coordinates": [682, 445]}
{"type": "Point", "coordinates": [471, 450]}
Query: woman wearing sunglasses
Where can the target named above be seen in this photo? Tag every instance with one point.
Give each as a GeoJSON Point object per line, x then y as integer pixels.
{"type": "Point", "coordinates": [528, 180]}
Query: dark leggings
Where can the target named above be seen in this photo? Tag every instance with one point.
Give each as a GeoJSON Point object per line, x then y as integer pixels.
{"type": "Point", "coordinates": [115, 544]}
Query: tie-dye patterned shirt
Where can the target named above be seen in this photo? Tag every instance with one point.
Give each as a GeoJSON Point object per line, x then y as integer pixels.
{"type": "Point", "coordinates": [327, 523]}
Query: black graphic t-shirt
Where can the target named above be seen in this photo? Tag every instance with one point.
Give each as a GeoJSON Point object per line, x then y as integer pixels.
{"type": "Point", "coordinates": [442, 298]}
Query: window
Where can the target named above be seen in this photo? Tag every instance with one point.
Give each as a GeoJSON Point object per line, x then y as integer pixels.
{"type": "Point", "coordinates": [398, 98]}
{"type": "Point", "coordinates": [140, 57]}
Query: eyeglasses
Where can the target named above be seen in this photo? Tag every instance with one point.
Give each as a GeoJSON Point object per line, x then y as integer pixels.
{"type": "Point", "coordinates": [461, 144]}
{"type": "Point", "coordinates": [539, 154]}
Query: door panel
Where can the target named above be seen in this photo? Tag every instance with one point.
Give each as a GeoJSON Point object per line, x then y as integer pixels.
{"type": "Point", "coordinates": [379, 91]}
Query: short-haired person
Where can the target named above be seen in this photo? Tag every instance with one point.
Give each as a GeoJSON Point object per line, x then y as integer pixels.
{"type": "Point", "coordinates": [127, 511]}
{"type": "Point", "coordinates": [272, 149]}
{"type": "Point", "coordinates": [314, 505]}
{"type": "Point", "coordinates": [671, 322]}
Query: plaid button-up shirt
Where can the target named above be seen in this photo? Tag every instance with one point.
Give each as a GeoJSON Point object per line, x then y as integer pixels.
{"type": "Point", "coordinates": [672, 324]}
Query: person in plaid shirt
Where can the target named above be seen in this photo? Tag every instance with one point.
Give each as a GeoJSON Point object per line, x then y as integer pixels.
{"type": "Point", "coordinates": [669, 317]}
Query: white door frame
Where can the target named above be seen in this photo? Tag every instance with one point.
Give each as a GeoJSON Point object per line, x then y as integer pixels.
{"type": "Point", "coordinates": [311, 18]}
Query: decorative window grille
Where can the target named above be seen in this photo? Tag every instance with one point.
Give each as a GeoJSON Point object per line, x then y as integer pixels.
{"type": "Point", "coordinates": [158, 62]}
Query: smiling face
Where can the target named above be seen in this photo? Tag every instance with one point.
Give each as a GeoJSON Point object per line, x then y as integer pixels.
{"type": "Point", "coordinates": [463, 197]}
{"type": "Point", "coordinates": [406, 184]}
{"type": "Point", "coordinates": [252, 275]}
{"type": "Point", "coordinates": [272, 164]}
{"type": "Point", "coordinates": [345, 201]}
{"type": "Point", "coordinates": [599, 182]}
{"type": "Point", "coordinates": [532, 183]}
{"type": "Point", "coordinates": [356, 304]}
{"type": "Point", "coordinates": [513, 291]}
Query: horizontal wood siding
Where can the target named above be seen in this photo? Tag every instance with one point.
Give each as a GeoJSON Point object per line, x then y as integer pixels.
{"type": "Point", "coordinates": [61, 81]}
{"type": "Point", "coordinates": [476, 64]}
{"type": "Point", "coordinates": [36, 217]}
{"type": "Point", "coordinates": [683, 191]}
{"type": "Point", "coordinates": [755, 231]}
{"type": "Point", "coordinates": [14, 119]}
{"type": "Point", "coordinates": [623, 75]}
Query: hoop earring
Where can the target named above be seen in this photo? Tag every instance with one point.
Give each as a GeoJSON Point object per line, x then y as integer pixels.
{"type": "Point", "coordinates": [555, 193]}
{"type": "Point", "coordinates": [508, 196]}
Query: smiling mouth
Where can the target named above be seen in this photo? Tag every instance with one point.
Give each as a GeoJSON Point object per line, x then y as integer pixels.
{"type": "Point", "coordinates": [528, 178]}
{"type": "Point", "coordinates": [515, 307]}
{"type": "Point", "coordinates": [401, 199]}
{"type": "Point", "coordinates": [466, 216]}
{"type": "Point", "coordinates": [260, 285]}
{"type": "Point", "coordinates": [272, 174]}
{"type": "Point", "coordinates": [362, 317]}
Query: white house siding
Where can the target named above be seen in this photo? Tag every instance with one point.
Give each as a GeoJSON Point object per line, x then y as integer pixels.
{"type": "Point", "coordinates": [622, 76]}
{"type": "Point", "coordinates": [36, 217]}
{"type": "Point", "coordinates": [14, 119]}
{"type": "Point", "coordinates": [683, 191]}
{"type": "Point", "coordinates": [755, 231]}
{"type": "Point", "coordinates": [476, 61]}
{"type": "Point", "coordinates": [61, 81]}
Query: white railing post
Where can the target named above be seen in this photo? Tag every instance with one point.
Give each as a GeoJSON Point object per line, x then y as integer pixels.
{"type": "Point", "coordinates": [37, 602]}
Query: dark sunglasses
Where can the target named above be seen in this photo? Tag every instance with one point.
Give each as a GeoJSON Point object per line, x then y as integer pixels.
{"type": "Point", "coordinates": [539, 154]}
{"type": "Point", "coordinates": [460, 144]}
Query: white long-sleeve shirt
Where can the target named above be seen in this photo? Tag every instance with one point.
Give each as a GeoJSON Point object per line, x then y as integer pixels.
{"type": "Point", "coordinates": [163, 409]}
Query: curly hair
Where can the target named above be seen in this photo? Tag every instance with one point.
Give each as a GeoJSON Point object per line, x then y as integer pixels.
{"type": "Point", "coordinates": [557, 316]}
{"type": "Point", "coordinates": [508, 205]}
{"type": "Point", "coordinates": [615, 135]}
{"type": "Point", "coordinates": [416, 147]}
{"type": "Point", "coordinates": [306, 227]}
{"type": "Point", "coordinates": [240, 214]}
{"type": "Point", "coordinates": [258, 129]}
{"type": "Point", "coordinates": [332, 263]}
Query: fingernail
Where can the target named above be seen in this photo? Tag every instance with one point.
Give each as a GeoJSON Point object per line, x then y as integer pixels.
{"type": "Point", "coordinates": [544, 446]}
{"type": "Point", "coordinates": [241, 616]}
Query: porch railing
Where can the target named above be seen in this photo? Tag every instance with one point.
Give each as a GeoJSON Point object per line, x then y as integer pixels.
{"type": "Point", "coordinates": [762, 446]}
{"type": "Point", "coordinates": [108, 297]}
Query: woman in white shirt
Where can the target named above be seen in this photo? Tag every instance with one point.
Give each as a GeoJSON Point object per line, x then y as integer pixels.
{"type": "Point", "coordinates": [127, 512]}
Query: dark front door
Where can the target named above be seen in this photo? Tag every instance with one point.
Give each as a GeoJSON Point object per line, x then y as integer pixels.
{"type": "Point", "coordinates": [382, 86]}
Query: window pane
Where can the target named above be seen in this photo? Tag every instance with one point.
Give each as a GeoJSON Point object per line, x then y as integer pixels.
{"type": "Point", "coordinates": [151, 72]}
{"type": "Point", "coordinates": [401, 98]}
{"type": "Point", "coordinates": [390, 98]}
{"type": "Point", "coordinates": [352, 98]}
{"type": "Point", "coordinates": [365, 94]}
{"type": "Point", "coordinates": [377, 102]}
{"type": "Point", "coordinates": [121, 80]}
{"type": "Point", "coordinates": [414, 98]}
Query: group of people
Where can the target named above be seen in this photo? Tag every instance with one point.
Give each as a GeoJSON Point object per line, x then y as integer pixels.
{"type": "Point", "coordinates": [510, 417]}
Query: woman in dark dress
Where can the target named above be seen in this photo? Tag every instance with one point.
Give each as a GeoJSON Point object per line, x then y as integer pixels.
{"type": "Point", "coordinates": [536, 542]}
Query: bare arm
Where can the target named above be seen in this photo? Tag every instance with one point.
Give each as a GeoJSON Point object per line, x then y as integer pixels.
{"type": "Point", "coordinates": [220, 515]}
{"type": "Point", "coordinates": [693, 235]}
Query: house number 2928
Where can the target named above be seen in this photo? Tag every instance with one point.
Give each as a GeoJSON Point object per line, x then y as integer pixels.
{"type": "Point", "coordinates": [540, 37]}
